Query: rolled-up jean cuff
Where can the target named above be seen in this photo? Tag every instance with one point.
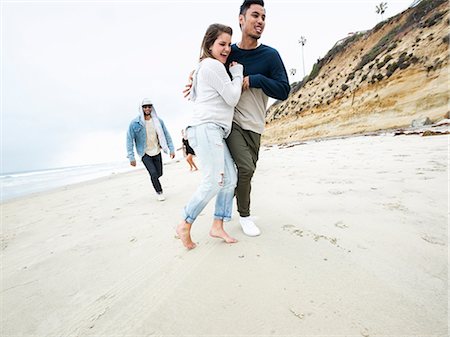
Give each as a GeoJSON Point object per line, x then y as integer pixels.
{"type": "Point", "coordinates": [189, 219]}
{"type": "Point", "coordinates": [221, 217]}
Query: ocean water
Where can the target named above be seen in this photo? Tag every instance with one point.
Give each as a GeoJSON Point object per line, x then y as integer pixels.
{"type": "Point", "coordinates": [19, 184]}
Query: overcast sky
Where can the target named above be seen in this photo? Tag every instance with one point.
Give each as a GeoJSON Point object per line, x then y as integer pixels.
{"type": "Point", "coordinates": [74, 72]}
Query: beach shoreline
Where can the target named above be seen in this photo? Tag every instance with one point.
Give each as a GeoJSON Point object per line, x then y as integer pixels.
{"type": "Point", "coordinates": [354, 242]}
{"type": "Point", "coordinates": [26, 186]}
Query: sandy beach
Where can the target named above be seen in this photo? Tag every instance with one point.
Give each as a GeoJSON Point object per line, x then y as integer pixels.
{"type": "Point", "coordinates": [354, 243]}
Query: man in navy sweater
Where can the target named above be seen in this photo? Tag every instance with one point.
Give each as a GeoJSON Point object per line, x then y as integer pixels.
{"type": "Point", "coordinates": [264, 76]}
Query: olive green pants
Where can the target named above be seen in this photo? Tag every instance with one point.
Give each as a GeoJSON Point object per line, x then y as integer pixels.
{"type": "Point", "coordinates": [244, 148]}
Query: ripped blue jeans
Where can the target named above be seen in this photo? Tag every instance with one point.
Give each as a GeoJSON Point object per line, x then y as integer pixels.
{"type": "Point", "coordinates": [219, 176]}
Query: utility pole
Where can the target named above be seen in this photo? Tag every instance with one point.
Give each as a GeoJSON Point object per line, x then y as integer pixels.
{"type": "Point", "coordinates": [302, 42]}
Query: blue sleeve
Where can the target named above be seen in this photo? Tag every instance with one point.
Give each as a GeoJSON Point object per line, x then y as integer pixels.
{"type": "Point", "coordinates": [130, 144]}
{"type": "Point", "coordinates": [276, 85]}
{"type": "Point", "coordinates": [168, 138]}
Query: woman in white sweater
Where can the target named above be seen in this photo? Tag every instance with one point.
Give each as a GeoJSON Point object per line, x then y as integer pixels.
{"type": "Point", "coordinates": [214, 95]}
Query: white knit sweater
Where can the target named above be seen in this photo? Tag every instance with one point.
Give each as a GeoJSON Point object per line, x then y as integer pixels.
{"type": "Point", "coordinates": [214, 94]}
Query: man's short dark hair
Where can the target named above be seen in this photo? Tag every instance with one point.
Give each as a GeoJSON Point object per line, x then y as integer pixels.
{"type": "Point", "coordinates": [248, 3]}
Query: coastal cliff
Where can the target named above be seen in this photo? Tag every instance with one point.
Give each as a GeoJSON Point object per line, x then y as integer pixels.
{"type": "Point", "coordinates": [375, 80]}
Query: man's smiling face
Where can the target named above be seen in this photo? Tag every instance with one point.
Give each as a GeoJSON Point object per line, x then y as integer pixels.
{"type": "Point", "coordinates": [253, 21]}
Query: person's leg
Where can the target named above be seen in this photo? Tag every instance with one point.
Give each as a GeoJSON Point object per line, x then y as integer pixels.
{"type": "Point", "coordinates": [157, 160]}
{"type": "Point", "coordinates": [195, 168]}
{"type": "Point", "coordinates": [217, 231]}
{"type": "Point", "coordinates": [189, 160]}
{"type": "Point", "coordinates": [184, 233]}
{"type": "Point", "coordinates": [158, 164]}
{"type": "Point", "coordinates": [206, 139]}
{"type": "Point", "coordinates": [224, 199]}
{"type": "Point", "coordinates": [244, 148]}
{"type": "Point", "coordinates": [154, 170]}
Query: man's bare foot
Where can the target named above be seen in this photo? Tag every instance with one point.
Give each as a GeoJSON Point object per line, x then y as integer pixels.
{"type": "Point", "coordinates": [217, 231]}
{"type": "Point", "coordinates": [184, 233]}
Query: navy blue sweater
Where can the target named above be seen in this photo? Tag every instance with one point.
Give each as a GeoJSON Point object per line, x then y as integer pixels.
{"type": "Point", "coordinates": [265, 69]}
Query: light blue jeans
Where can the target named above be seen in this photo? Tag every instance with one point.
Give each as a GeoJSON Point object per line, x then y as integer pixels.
{"type": "Point", "coordinates": [218, 170]}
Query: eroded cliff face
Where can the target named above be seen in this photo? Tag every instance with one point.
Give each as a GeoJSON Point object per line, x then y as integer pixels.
{"type": "Point", "coordinates": [377, 80]}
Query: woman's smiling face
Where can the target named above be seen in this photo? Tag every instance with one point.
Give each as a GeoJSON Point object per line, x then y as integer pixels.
{"type": "Point", "coordinates": [221, 47]}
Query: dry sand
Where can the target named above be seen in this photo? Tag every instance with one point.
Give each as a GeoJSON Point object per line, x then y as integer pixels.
{"type": "Point", "coordinates": [354, 243]}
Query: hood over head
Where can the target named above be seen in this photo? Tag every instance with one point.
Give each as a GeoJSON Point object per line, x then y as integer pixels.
{"type": "Point", "coordinates": [146, 101]}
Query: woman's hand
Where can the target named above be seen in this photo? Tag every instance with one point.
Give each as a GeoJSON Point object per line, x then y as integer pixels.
{"type": "Point", "coordinates": [234, 63]}
{"type": "Point", "coordinates": [188, 87]}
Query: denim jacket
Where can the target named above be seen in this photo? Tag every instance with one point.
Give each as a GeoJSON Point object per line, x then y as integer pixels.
{"type": "Point", "coordinates": [137, 135]}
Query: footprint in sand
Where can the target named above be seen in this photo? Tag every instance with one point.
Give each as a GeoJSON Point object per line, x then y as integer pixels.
{"type": "Point", "coordinates": [340, 224]}
{"type": "Point", "coordinates": [285, 227]}
{"type": "Point", "coordinates": [395, 206]}
{"type": "Point", "coordinates": [333, 241]}
{"type": "Point", "coordinates": [433, 240]}
{"type": "Point", "coordinates": [3, 243]}
{"type": "Point", "coordinates": [336, 192]}
{"type": "Point", "coordinates": [293, 230]}
{"type": "Point", "coordinates": [297, 232]}
{"type": "Point", "coordinates": [316, 237]}
{"type": "Point", "coordinates": [365, 332]}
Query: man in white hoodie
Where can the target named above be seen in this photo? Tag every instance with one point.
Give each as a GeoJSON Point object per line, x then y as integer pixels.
{"type": "Point", "coordinates": [149, 134]}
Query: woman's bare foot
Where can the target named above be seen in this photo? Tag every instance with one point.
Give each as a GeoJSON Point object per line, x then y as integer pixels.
{"type": "Point", "coordinates": [217, 231]}
{"type": "Point", "coordinates": [184, 233]}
